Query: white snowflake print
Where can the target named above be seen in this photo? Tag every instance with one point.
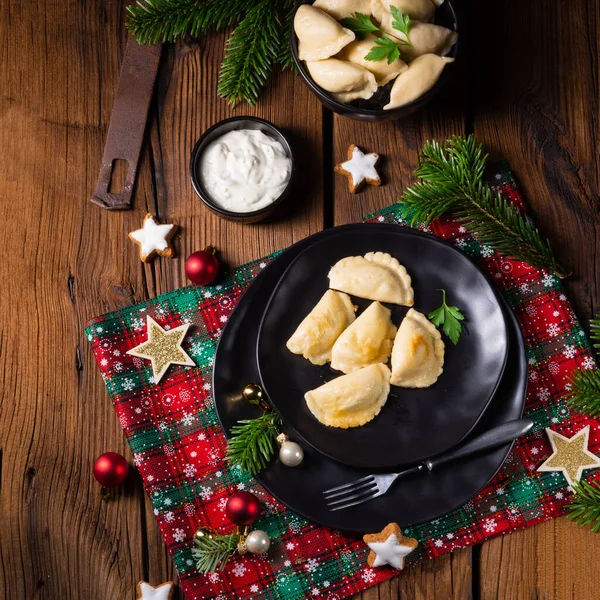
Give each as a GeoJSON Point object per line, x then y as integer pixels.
{"type": "Point", "coordinates": [138, 324]}
{"type": "Point", "coordinates": [368, 575]}
{"type": "Point", "coordinates": [569, 351]}
{"type": "Point", "coordinates": [326, 584]}
{"type": "Point", "coordinates": [544, 394]}
{"type": "Point", "coordinates": [533, 376]}
{"type": "Point", "coordinates": [222, 503]}
{"type": "Point", "coordinates": [103, 362]}
{"type": "Point", "coordinates": [169, 516]}
{"type": "Point", "coordinates": [168, 501]}
{"type": "Point", "coordinates": [254, 588]}
{"type": "Point", "coordinates": [213, 577]}
{"type": "Point", "coordinates": [118, 367]}
{"type": "Point", "coordinates": [555, 313]}
{"type": "Point", "coordinates": [462, 229]}
{"type": "Point", "coordinates": [185, 395]}
{"type": "Point", "coordinates": [163, 426]}
{"type": "Point", "coordinates": [116, 353]}
{"type": "Point", "coordinates": [201, 437]}
{"type": "Point", "coordinates": [500, 491]}
{"type": "Point", "coordinates": [460, 243]}
{"type": "Point", "coordinates": [553, 329]}
{"type": "Point", "coordinates": [493, 508]}
{"type": "Point", "coordinates": [239, 569]}
{"type": "Point", "coordinates": [535, 451]}
{"type": "Point", "coordinates": [189, 470]}
{"type": "Point", "coordinates": [90, 337]}
{"type": "Point", "coordinates": [531, 361]}
{"type": "Point", "coordinates": [196, 348]}
{"type": "Point", "coordinates": [207, 294]}
{"type": "Point", "coordinates": [486, 251]}
{"type": "Point", "coordinates": [188, 419]}
{"type": "Point", "coordinates": [241, 486]}
{"type": "Point", "coordinates": [559, 495]}
{"type": "Point", "coordinates": [553, 368]}
{"type": "Point", "coordinates": [189, 562]}
{"type": "Point", "coordinates": [315, 591]}
{"type": "Point", "coordinates": [489, 525]}
{"type": "Point", "coordinates": [223, 319]}
{"type": "Point", "coordinates": [205, 493]}
{"type": "Point", "coordinates": [156, 512]}
{"type": "Point", "coordinates": [206, 386]}
{"type": "Point", "coordinates": [262, 265]}
{"type": "Point", "coordinates": [137, 362]}
{"type": "Point", "coordinates": [450, 536]}
{"type": "Point", "coordinates": [380, 218]}
{"type": "Point", "coordinates": [554, 420]}
{"type": "Point", "coordinates": [287, 563]}
{"type": "Point", "coordinates": [290, 545]}
{"type": "Point", "coordinates": [548, 280]}
{"type": "Point", "coordinates": [218, 287]}
{"type": "Point", "coordinates": [311, 564]}
{"type": "Point", "coordinates": [169, 450]}
{"type": "Point", "coordinates": [150, 477]}
{"type": "Point", "coordinates": [189, 509]}
{"type": "Point", "coordinates": [193, 454]}
{"type": "Point", "coordinates": [123, 420]}
{"type": "Point", "coordinates": [524, 287]}
{"type": "Point", "coordinates": [588, 363]}
{"type": "Point", "coordinates": [138, 411]}
{"type": "Point", "coordinates": [438, 543]}
{"type": "Point", "coordinates": [99, 329]}
{"type": "Point", "coordinates": [179, 535]}
{"type": "Point", "coordinates": [128, 385]}
{"type": "Point", "coordinates": [531, 310]}
{"type": "Point", "coordinates": [137, 459]}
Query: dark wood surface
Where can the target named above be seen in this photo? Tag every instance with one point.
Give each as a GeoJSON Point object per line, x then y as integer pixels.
{"type": "Point", "coordinates": [527, 85]}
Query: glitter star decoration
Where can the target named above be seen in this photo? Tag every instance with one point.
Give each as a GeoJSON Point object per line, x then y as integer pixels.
{"type": "Point", "coordinates": [163, 348]}
{"type": "Point", "coordinates": [389, 547]}
{"type": "Point", "coordinates": [570, 455]}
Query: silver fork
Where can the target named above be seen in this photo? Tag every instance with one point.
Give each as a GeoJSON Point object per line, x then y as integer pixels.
{"type": "Point", "coordinates": [372, 486]}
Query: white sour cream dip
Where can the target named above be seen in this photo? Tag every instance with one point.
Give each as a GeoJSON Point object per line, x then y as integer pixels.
{"type": "Point", "coordinates": [244, 170]}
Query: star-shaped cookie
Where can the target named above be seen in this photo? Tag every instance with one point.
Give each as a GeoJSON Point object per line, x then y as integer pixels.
{"type": "Point", "coordinates": [163, 348]}
{"type": "Point", "coordinates": [359, 168]}
{"type": "Point", "coordinates": [389, 547]}
{"type": "Point", "coordinates": [570, 455]}
{"type": "Point", "coordinates": [145, 591]}
{"type": "Point", "coordinates": [154, 238]}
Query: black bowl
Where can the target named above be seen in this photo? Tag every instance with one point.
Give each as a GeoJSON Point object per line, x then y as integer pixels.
{"type": "Point", "coordinates": [372, 109]}
{"type": "Point", "coordinates": [221, 128]}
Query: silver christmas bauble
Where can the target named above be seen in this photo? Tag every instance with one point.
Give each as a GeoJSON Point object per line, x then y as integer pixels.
{"type": "Point", "coordinates": [257, 542]}
{"type": "Point", "coordinates": [291, 454]}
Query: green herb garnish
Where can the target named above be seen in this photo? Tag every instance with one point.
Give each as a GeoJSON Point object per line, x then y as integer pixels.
{"type": "Point", "coordinates": [385, 46]}
{"type": "Point", "coordinates": [449, 317]}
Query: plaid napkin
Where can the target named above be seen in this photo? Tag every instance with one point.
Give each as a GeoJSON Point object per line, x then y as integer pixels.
{"type": "Point", "coordinates": [179, 448]}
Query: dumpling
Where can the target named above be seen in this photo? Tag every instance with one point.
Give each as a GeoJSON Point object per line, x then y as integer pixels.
{"type": "Point", "coordinates": [425, 38]}
{"type": "Point", "coordinates": [319, 35]}
{"type": "Point", "coordinates": [319, 330]}
{"type": "Point", "coordinates": [356, 51]}
{"type": "Point", "coordinates": [418, 352]}
{"type": "Point", "coordinates": [419, 78]}
{"type": "Point", "coordinates": [420, 10]}
{"type": "Point", "coordinates": [351, 400]}
{"type": "Point", "coordinates": [344, 80]}
{"type": "Point", "coordinates": [366, 342]}
{"type": "Point", "coordinates": [341, 9]}
{"type": "Point", "coordinates": [376, 276]}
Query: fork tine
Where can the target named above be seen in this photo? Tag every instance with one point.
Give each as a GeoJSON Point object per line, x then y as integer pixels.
{"type": "Point", "coordinates": [348, 485]}
{"type": "Point", "coordinates": [329, 496]}
{"type": "Point", "coordinates": [360, 493]}
{"type": "Point", "coordinates": [355, 502]}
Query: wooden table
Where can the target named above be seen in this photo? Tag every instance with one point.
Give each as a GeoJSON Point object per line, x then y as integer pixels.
{"type": "Point", "coordinates": [527, 86]}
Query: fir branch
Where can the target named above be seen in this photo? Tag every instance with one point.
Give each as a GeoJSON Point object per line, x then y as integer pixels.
{"type": "Point", "coordinates": [284, 53]}
{"type": "Point", "coordinates": [584, 507]}
{"type": "Point", "coordinates": [250, 54]}
{"type": "Point", "coordinates": [595, 332]}
{"type": "Point", "coordinates": [452, 180]}
{"type": "Point", "coordinates": [254, 441]}
{"type": "Point", "coordinates": [212, 552]}
{"type": "Point", "coordinates": [158, 21]}
{"type": "Point", "coordinates": [584, 395]}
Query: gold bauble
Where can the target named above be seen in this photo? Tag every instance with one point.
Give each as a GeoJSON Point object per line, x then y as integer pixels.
{"type": "Point", "coordinates": [253, 393]}
{"type": "Point", "coordinates": [203, 533]}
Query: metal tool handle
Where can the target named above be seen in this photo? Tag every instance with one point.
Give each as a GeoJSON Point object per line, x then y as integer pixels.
{"type": "Point", "coordinates": [498, 436]}
{"type": "Point", "coordinates": [127, 122]}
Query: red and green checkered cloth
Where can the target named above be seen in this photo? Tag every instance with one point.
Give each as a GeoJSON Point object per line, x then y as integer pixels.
{"type": "Point", "coordinates": [179, 448]}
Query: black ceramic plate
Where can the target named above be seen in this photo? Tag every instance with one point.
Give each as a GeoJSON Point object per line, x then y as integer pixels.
{"type": "Point", "coordinates": [414, 424]}
{"type": "Point", "coordinates": [411, 501]}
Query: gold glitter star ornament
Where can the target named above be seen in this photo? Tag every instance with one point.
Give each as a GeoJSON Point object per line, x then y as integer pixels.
{"type": "Point", "coordinates": [570, 455]}
{"type": "Point", "coordinates": [163, 348]}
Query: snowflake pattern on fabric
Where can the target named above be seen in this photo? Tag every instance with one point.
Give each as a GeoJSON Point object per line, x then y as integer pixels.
{"type": "Point", "coordinates": [179, 448]}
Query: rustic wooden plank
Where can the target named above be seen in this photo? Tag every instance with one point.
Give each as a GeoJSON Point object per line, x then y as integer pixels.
{"type": "Point", "coordinates": [536, 104]}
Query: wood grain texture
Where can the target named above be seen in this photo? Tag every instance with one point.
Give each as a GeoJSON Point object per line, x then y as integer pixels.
{"type": "Point", "coordinates": [530, 92]}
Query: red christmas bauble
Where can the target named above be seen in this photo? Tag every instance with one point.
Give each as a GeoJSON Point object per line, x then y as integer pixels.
{"type": "Point", "coordinates": [202, 267]}
{"type": "Point", "coordinates": [243, 508]}
{"type": "Point", "coordinates": [110, 469]}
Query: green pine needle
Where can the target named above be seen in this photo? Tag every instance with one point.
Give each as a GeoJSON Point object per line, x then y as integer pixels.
{"type": "Point", "coordinates": [253, 442]}
{"type": "Point", "coordinates": [449, 317]}
{"type": "Point", "coordinates": [584, 395]}
{"type": "Point", "coordinates": [584, 507]}
{"type": "Point", "coordinates": [595, 332]}
{"type": "Point", "coordinates": [214, 552]}
{"type": "Point", "coordinates": [452, 180]}
{"type": "Point", "coordinates": [284, 52]}
{"type": "Point", "coordinates": [250, 54]}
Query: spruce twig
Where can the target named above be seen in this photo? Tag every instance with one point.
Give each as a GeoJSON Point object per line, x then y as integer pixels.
{"type": "Point", "coordinates": [214, 552]}
{"type": "Point", "coordinates": [584, 507]}
{"type": "Point", "coordinates": [253, 441]}
{"type": "Point", "coordinates": [452, 180]}
{"type": "Point", "coordinates": [584, 395]}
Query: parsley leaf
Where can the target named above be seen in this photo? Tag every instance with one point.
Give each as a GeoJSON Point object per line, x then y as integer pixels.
{"type": "Point", "coordinates": [449, 317]}
{"type": "Point", "coordinates": [360, 24]}
{"type": "Point", "coordinates": [400, 21]}
{"type": "Point", "coordinates": [384, 48]}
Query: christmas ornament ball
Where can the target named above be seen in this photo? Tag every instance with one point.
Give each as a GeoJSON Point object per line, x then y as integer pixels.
{"type": "Point", "coordinates": [203, 533]}
{"type": "Point", "coordinates": [111, 469]}
{"type": "Point", "coordinates": [202, 267]}
{"type": "Point", "coordinates": [243, 508]}
{"type": "Point", "coordinates": [257, 542]}
{"type": "Point", "coordinates": [291, 454]}
{"type": "Point", "coordinates": [252, 393]}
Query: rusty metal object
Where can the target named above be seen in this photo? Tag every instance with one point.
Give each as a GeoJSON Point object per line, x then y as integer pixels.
{"type": "Point", "coordinates": [128, 122]}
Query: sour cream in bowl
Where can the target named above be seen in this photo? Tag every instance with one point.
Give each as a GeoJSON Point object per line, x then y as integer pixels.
{"type": "Point", "coordinates": [241, 168]}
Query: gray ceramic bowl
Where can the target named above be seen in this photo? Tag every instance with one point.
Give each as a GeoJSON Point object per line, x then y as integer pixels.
{"type": "Point", "coordinates": [216, 131]}
{"type": "Point", "coordinates": [372, 109]}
